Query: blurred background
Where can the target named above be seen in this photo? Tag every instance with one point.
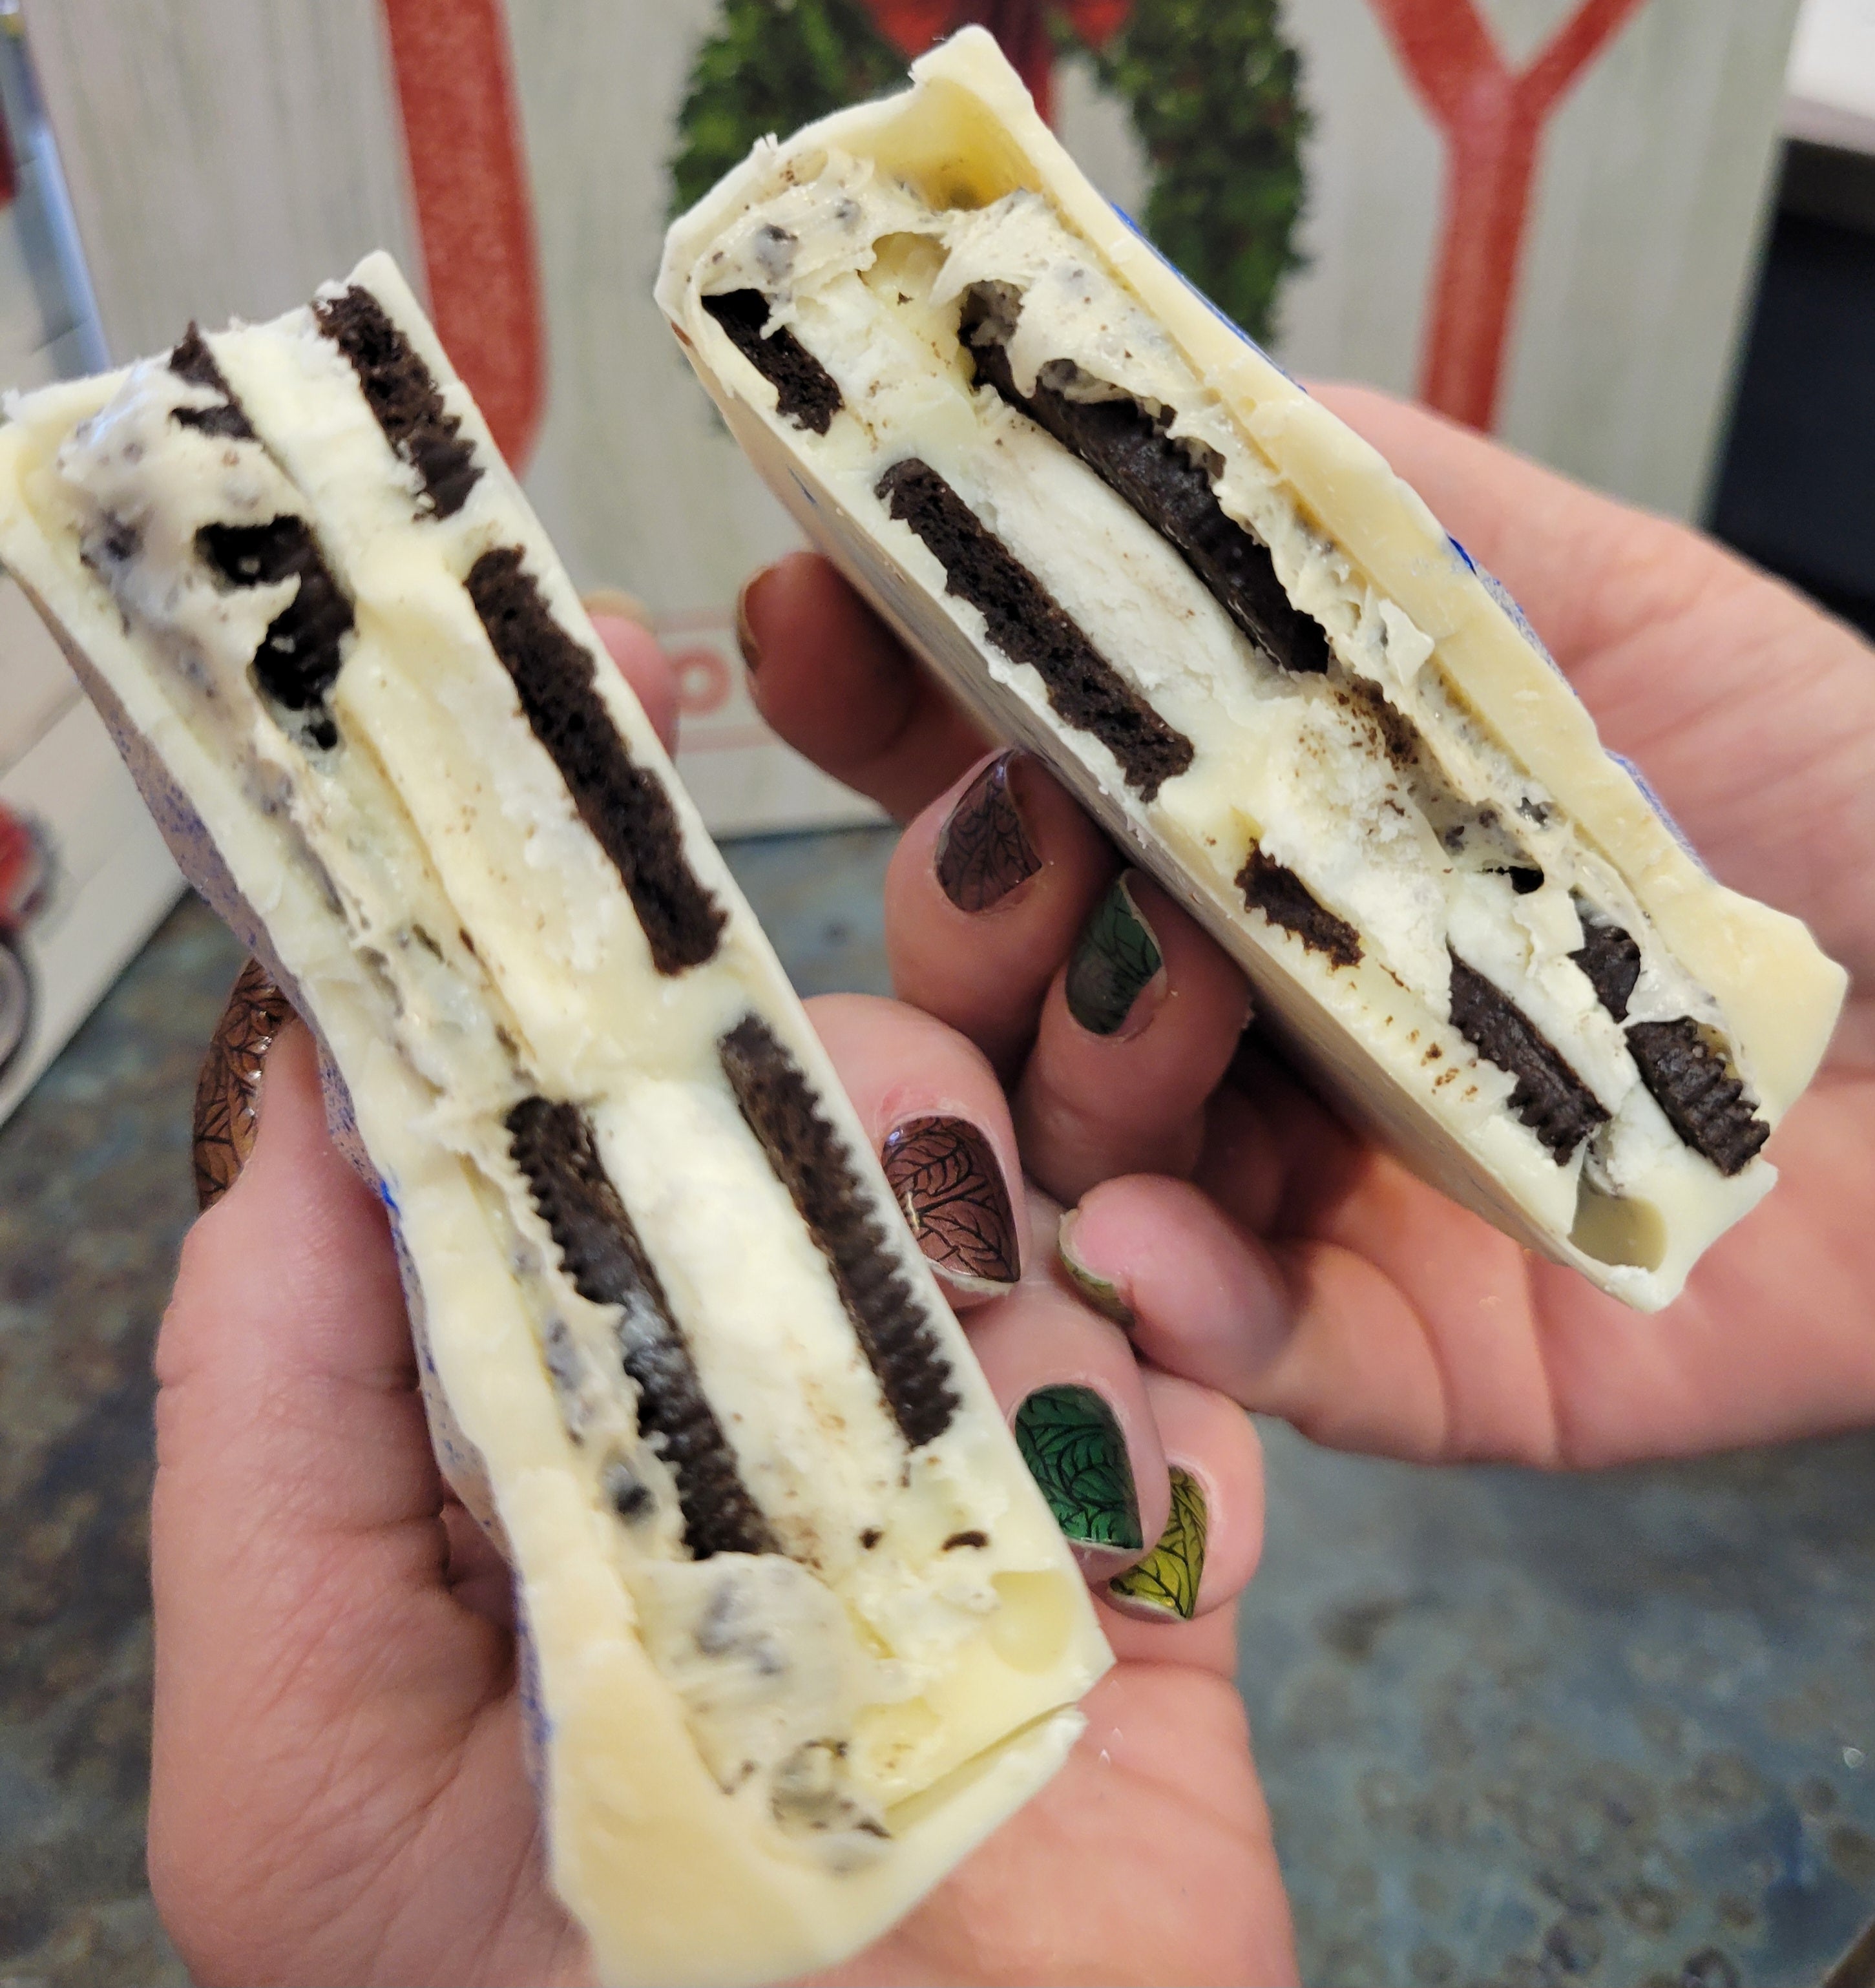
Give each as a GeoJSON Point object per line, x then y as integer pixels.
{"type": "Point", "coordinates": [1515, 1729]}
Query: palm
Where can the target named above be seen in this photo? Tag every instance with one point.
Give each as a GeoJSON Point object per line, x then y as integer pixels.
{"type": "Point", "coordinates": [338, 1789]}
{"type": "Point", "coordinates": [1753, 718]}
{"type": "Point", "coordinates": [421, 1826]}
{"type": "Point", "coordinates": [1159, 1796]}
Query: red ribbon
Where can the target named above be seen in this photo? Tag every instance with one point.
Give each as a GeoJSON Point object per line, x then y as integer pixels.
{"type": "Point", "coordinates": [1021, 27]}
{"type": "Point", "coordinates": [468, 178]}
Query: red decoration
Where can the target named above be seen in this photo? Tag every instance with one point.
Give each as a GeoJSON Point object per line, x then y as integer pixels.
{"type": "Point", "coordinates": [468, 178]}
{"type": "Point", "coordinates": [1020, 26]}
{"type": "Point", "coordinates": [1493, 124]}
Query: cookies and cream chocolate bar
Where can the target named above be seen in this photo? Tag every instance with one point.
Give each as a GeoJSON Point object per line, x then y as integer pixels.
{"type": "Point", "coordinates": [801, 1629]}
{"type": "Point", "coordinates": [1128, 539]}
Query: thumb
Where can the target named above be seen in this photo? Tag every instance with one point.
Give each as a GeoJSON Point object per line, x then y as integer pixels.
{"type": "Point", "coordinates": [304, 1628]}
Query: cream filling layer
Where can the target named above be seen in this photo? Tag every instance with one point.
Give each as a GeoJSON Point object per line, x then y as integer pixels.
{"type": "Point", "coordinates": [871, 280]}
{"type": "Point", "coordinates": [501, 956]}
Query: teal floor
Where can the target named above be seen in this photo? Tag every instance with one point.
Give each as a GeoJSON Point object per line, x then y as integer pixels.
{"type": "Point", "coordinates": [1515, 1729]}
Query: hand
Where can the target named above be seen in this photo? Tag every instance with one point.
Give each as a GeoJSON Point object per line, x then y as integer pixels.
{"type": "Point", "coordinates": [1257, 1245]}
{"type": "Point", "coordinates": [337, 1790]}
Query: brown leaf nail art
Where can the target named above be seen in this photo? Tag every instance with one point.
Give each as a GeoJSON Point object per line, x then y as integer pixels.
{"type": "Point", "coordinates": [230, 1081]}
{"type": "Point", "coordinates": [945, 1176]}
{"type": "Point", "coordinates": [983, 851]}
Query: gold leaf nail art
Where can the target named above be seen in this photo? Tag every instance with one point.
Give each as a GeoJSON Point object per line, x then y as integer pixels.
{"type": "Point", "coordinates": [1165, 1584]}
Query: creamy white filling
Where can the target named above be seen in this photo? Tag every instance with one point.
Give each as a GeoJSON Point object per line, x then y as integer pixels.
{"type": "Point", "coordinates": [871, 280]}
{"type": "Point", "coordinates": [807, 1682]}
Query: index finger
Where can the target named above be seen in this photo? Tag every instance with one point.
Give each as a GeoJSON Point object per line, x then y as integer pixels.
{"type": "Point", "coordinates": [834, 681]}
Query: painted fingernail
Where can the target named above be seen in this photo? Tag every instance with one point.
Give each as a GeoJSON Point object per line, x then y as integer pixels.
{"type": "Point", "coordinates": [229, 1089]}
{"type": "Point", "coordinates": [615, 602]}
{"type": "Point", "coordinates": [1114, 960]}
{"type": "Point", "coordinates": [745, 635]}
{"type": "Point", "coordinates": [1102, 1293]}
{"type": "Point", "coordinates": [1164, 1586]}
{"type": "Point", "coordinates": [1074, 1451]}
{"type": "Point", "coordinates": [983, 851]}
{"type": "Point", "coordinates": [945, 1175]}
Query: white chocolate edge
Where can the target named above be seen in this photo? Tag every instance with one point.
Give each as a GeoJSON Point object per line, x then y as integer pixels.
{"type": "Point", "coordinates": [643, 1847]}
{"type": "Point", "coordinates": [967, 129]}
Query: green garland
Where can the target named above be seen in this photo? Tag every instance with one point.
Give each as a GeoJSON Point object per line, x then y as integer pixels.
{"type": "Point", "coordinates": [1213, 89]}
{"type": "Point", "coordinates": [1216, 96]}
{"type": "Point", "coordinates": [771, 67]}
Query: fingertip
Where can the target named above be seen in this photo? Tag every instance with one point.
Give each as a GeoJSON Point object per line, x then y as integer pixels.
{"type": "Point", "coordinates": [1204, 1298]}
{"type": "Point", "coordinates": [1072, 1393]}
{"type": "Point", "coordinates": [1208, 1551]}
{"type": "Point", "coordinates": [939, 1123]}
{"type": "Point", "coordinates": [833, 680]}
{"type": "Point", "coordinates": [643, 665]}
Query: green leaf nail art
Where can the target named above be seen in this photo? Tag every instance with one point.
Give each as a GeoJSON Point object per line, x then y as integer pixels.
{"type": "Point", "coordinates": [1114, 958]}
{"type": "Point", "coordinates": [1168, 1578]}
{"type": "Point", "coordinates": [1074, 1451]}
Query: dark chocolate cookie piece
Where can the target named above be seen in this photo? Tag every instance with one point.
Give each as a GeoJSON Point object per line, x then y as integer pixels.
{"type": "Point", "coordinates": [811, 1161]}
{"type": "Point", "coordinates": [625, 807]}
{"type": "Point", "coordinates": [552, 1145]}
{"type": "Point", "coordinates": [805, 392]}
{"type": "Point", "coordinates": [300, 655]}
{"type": "Point", "coordinates": [192, 361]}
{"type": "Point", "coordinates": [1134, 456]}
{"type": "Point", "coordinates": [1285, 899]}
{"type": "Point", "coordinates": [1027, 623]}
{"type": "Point", "coordinates": [1549, 1098]}
{"type": "Point", "coordinates": [1611, 959]}
{"type": "Point", "coordinates": [404, 397]}
{"type": "Point", "coordinates": [1705, 1103]}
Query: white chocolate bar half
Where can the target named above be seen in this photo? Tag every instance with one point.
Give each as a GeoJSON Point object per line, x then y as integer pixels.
{"type": "Point", "coordinates": [1128, 539]}
{"type": "Point", "coordinates": [801, 1629]}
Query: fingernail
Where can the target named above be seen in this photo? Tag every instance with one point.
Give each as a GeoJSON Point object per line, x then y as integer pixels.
{"type": "Point", "coordinates": [1164, 1586]}
{"type": "Point", "coordinates": [227, 1091]}
{"type": "Point", "coordinates": [745, 635]}
{"type": "Point", "coordinates": [945, 1175]}
{"type": "Point", "coordinates": [1102, 1293]}
{"type": "Point", "coordinates": [983, 851]}
{"type": "Point", "coordinates": [1074, 1451]}
{"type": "Point", "coordinates": [1115, 959]}
{"type": "Point", "coordinates": [616, 602]}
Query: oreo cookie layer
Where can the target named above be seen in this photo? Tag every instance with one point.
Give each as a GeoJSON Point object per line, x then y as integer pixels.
{"type": "Point", "coordinates": [1025, 622]}
{"type": "Point", "coordinates": [1704, 1102]}
{"type": "Point", "coordinates": [626, 808]}
{"type": "Point", "coordinates": [1284, 900]}
{"type": "Point", "coordinates": [808, 1158]}
{"type": "Point", "coordinates": [1549, 1098]}
{"type": "Point", "coordinates": [299, 656]}
{"type": "Point", "coordinates": [1135, 458]}
{"type": "Point", "coordinates": [552, 1143]}
{"type": "Point", "coordinates": [805, 392]}
{"type": "Point", "coordinates": [1611, 959]}
{"type": "Point", "coordinates": [192, 361]}
{"type": "Point", "coordinates": [404, 397]}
